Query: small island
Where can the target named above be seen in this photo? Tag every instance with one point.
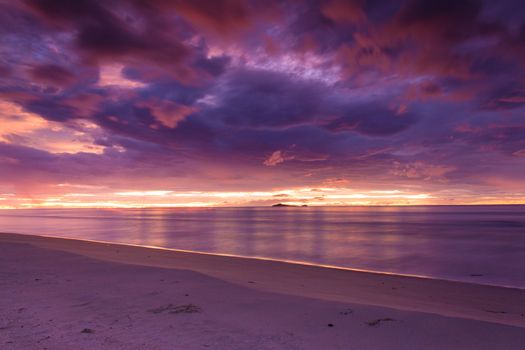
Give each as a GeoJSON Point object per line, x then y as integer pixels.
{"type": "Point", "coordinates": [288, 205]}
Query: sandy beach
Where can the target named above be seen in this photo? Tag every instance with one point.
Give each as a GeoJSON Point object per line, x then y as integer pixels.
{"type": "Point", "coordinates": [71, 294]}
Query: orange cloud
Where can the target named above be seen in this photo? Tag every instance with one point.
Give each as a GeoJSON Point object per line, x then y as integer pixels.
{"type": "Point", "coordinates": [169, 113]}
{"type": "Point", "coordinates": [30, 130]}
{"type": "Point", "coordinates": [275, 158]}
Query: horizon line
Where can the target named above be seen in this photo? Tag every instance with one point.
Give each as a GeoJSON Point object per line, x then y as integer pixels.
{"type": "Point", "coordinates": [272, 206]}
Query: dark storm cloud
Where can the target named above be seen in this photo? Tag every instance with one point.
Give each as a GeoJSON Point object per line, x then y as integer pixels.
{"type": "Point", "coordinates": [101, 34]}
{"type": "Point", "coordinates": [51, 109]}
{"type": "Point", "coordinates": [450, 11]}
{"type": "Point", "coordinates": [371, 120]}
{"type": "Point", "coordinates": [510, 95]}
{"type": "Point", "coordinates": [222, 16]}
{"type": "Point", "coordinates": [52, 74]}
{"type": "Point", "coordinates": [251, 98]}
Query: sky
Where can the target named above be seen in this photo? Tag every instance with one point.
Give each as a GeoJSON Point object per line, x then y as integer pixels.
{"type": "Point", "coordinates": [134, 103]}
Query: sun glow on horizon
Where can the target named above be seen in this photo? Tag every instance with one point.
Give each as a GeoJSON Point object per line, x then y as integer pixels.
{"type": "Point", "coordinates": [169, 198]}
{"type": "Point", "coordinates": [87, 196]}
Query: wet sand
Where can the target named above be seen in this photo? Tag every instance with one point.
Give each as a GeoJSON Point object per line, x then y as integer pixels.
{"type": "Point", "coordinates": [64, 294]}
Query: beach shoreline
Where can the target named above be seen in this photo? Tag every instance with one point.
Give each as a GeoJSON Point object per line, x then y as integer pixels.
{"type": "Point", "coordinates": [261, 285]}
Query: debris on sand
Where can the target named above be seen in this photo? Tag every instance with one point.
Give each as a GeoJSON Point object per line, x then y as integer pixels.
{"type": "Point", "coordinates": [160, 309]}
{"type": "Point", "coordinates": [495, 311]}
{"type": "Point", "coordinates": [88, 331]}
{"type": "Point", "coordinates": [176, 309]}
{"type": "Point", "coordinates": [378, 321]}
{"type": "Point", "coordinates": [346, 312]}
{"type": "Point", "coordinates": [185, 309]}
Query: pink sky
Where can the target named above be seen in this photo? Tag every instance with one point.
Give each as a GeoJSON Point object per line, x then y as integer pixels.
{"type": "Point", "coordinates": [213, 103]}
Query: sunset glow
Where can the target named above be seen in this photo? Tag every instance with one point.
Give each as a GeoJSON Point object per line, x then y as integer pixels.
{"type": "Point", "coordinates": [133, 199]}
{"type": "Point", "coordinates": [245, 103]}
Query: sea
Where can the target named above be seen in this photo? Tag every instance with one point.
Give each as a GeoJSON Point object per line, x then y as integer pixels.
{"type": "Point", "coordinates": [476, 244]}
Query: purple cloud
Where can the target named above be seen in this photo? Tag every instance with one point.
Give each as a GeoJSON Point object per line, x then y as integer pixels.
{"type": "Point", "coordinates": [239, 94]}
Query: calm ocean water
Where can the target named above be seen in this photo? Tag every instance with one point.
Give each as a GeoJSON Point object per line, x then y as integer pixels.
{"type": "Point", "coordinates": [480, 244]}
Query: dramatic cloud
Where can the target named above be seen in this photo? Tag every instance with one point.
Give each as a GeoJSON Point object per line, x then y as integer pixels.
{"type": "Point", "coordinates": [233, 102]}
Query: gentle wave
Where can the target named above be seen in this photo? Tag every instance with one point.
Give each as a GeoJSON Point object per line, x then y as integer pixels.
{"type": "Point", "coordinates": [477, 244]}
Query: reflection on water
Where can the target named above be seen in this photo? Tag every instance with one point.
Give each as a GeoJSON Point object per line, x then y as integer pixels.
{"type": "Point", "coordinates": [444, 242]}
